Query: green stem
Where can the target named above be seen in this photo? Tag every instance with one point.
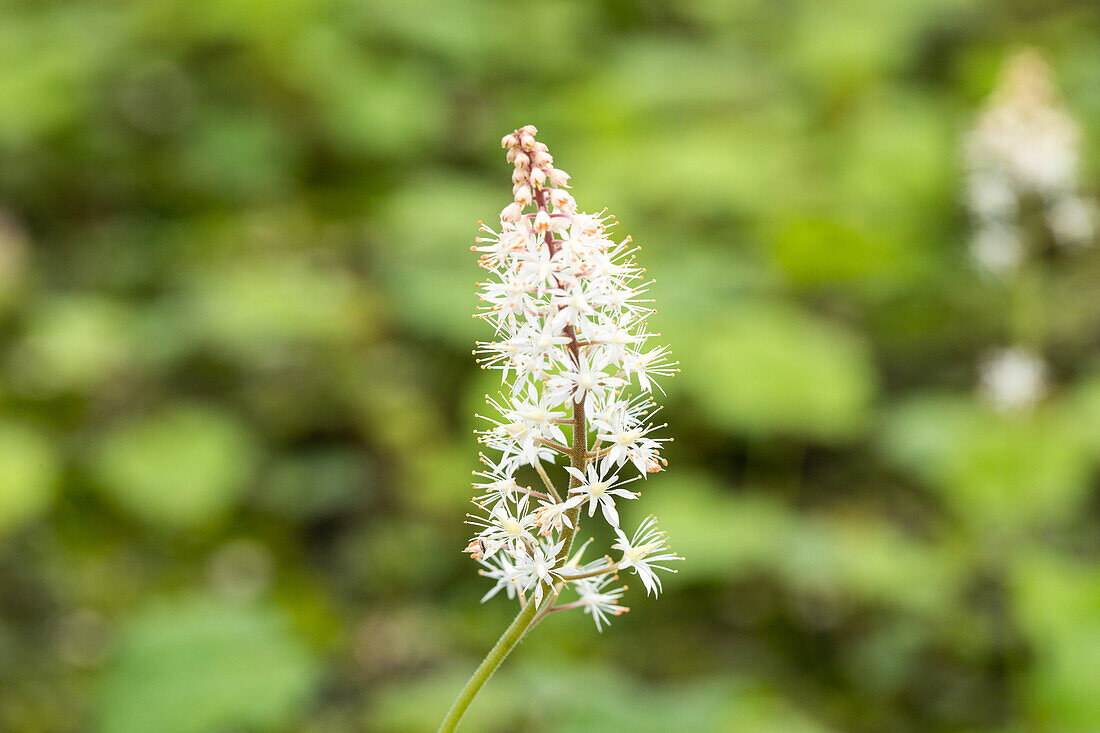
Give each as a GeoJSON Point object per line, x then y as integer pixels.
{"type": "Point", "coordinates": [496, 655]}
{"type": "Point", "coordinates": [1027, 319]}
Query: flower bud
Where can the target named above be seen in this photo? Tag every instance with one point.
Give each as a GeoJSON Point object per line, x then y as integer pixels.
{"type": "Point", "coordinates": [542, 221]}
{"type": "Point", "coordinates": [562, 200]}
{"type": "Point", "coordinates": [523, 195]}
{"type": "Point", "coordinates": [511, 212]}
{"type": "Point", "coordinates": [558, 178]}
{"type": "Point", "coordinates": [543, 160]}
{"type": "Point", "coordinates": [538, 177]}
{"type": "Point", "coordinates": [521, 160]}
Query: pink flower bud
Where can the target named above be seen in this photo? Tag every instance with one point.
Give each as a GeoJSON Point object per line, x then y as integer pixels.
{"type": "Point", "coordinates": [527, 142]}
{"type": "Point", "coordinates": [558, 178]}
{"type": "Point", "coordinates": [538, 177]}
{"type": "Point", "coordinates": [561, 199]}
{"type": "Point", "coordinates": [521, 160]}
{"type": "Point", "coordinates": [508, 141]}
{"type": "Point", "coordinates": [542, 221]}
{"type": "Point", "coordinates": [523, 195]}
{"type": "Point", "coordinates": [511, 212]}
{"type": "Point", "coordinates": [543, 160]}
{"type": "Point", "coordinates": [528, 130]}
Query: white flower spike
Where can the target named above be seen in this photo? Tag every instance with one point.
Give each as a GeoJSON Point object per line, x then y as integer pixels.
{"type": "Point", "coordinates": [567, 308]}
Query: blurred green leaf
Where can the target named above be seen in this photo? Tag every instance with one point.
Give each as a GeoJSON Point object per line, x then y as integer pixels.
{"type": "Point", "coordinates": [317, 483]}
{"type": "Point", "coordinates": [765, 368]}
{"type": "Point", "coordinates": [14, 261]}
{"type": "Point", "coordinates": [235, 155]}
{"type": "Point", "coordinates": [29, 471]}
{"type": "Point", "coordinates": [48, 61]}
{"type": "Point", "coordinates": [182, 466]}
{"type": "Point", "coordinates": [372, 107]}
{"type": "Point", "coordinates": [201, 665]}
{"type": "Point", "coordinates": [818, 251]}
{"type": "Point", "coordinates": [425, 254]}
{"type": "Point", "coordinates": [847, 43]}
{"type": "Point", "coordinates": [729, 536]}
{"type": "Point", "coordinates": [1083, 411]}
{"type": "Point", "coordinates": [1001, 472]}
{"type": "Point", "coordinates": [565, 703]}
{"type": "Point", "coordinates": [249, 307]}
{"type": "Point", "coordinates": [1059, 604]}
{"type": "Point", "coordinates": [74, 342]}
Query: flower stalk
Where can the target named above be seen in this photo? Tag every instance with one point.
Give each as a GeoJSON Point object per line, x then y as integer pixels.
{"type": "Point", "coordinates": [564, 302]}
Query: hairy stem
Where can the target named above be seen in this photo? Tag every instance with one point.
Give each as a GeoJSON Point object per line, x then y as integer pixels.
{"type": "Point", "coordinates": [578, 460]}
{"type": "Point", "coordinates": [496, 655]}
{"type": "Point", "coordinates": [546, 480]}
{"type": "Point", "coordinates": [610, 567]}
{"type": "Point", "coordinates": [553, 445]}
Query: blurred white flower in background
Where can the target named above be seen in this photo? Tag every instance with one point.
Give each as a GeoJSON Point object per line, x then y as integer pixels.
{"type": "Point", "coordinates": [1024, 149]}
{"type": "Point", "coordinates": [1013, 379]}
{"type": "Point", "coordinates": [1072, 220]}
{"type": "Point", "coordinates": [998, 249]}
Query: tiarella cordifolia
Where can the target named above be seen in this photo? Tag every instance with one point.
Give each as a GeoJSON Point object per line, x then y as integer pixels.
{"type": "Point", "coordinates": [1024, 195]}
{"type": "Point", "coordinates": [567, 306]}
{"type": "Point", "coordinates": [1021, 159]}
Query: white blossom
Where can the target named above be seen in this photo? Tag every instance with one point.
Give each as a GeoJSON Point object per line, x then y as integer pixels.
{"type": "Point", "coordinates": [597, 600]}
{"type": "Point", "coordinates": [535, 571]}
{"type": "Point", "coordinates": [500, 569]}
{"type": "Point", "coordinates": [598, 489]}
{"type": "Point", "coordinates": [643, 553]}
{"type": "Point", "coordinates": [552, 515]}
{"type": "Point", "coordinates": [503, 528]}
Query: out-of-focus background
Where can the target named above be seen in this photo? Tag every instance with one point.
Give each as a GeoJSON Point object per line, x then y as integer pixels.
{"type": "Point", "coordinates": [237, 395]}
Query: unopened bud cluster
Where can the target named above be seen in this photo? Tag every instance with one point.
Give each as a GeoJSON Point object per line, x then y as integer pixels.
{"type": "Point", "coordinates": [1024, 152]}
{"type": "Point", "coordinates": [568, 311]}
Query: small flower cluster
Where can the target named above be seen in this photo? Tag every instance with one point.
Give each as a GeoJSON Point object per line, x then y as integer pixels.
{"type": "Point", "coordinates": [1024, 151]}
{"type": "Point", "coordinates": [567, 306]}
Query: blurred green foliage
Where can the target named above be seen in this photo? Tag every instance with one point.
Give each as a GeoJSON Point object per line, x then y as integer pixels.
{"type": "Point", "coordinates": [238, 661]}
{"type": "Point", "coordinates": [236, 393]}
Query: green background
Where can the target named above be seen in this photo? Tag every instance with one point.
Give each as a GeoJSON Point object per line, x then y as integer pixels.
{"type": "Point", "coordinates": [237, 395]}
